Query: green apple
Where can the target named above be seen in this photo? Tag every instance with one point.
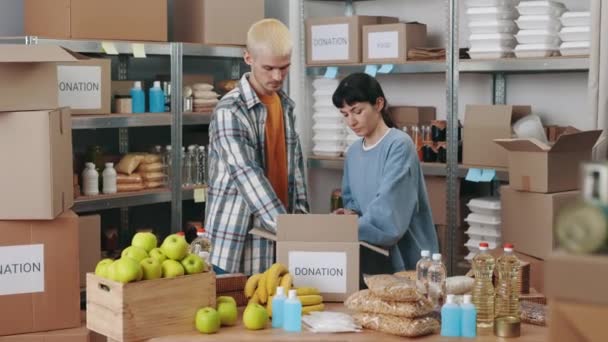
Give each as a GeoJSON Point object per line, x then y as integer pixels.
{"type": "Point", "coordinates": [126, 270]}
{"type": "Point", "coordinates": [207, 320]}
{"type": "Point", "coordinates": [136, 253]}
{"type": "Point", "coordinates": [111, 271]}
{"type": "Point", "coordinates": [102, 267]}
{"type": "Point", "coordinates": [175, 247]}
{"type": "Point", "coordinates": [151, 269]}
{"type": "Point", "coordinates": [255, 317]}
{"type": "Point", "coordinates": [226, 307]}
{"type": "Point", "coordinates": [158, 254]}
{"type": "Point", "coordinates": [172, 269]}
{"type": "Point", "coordinates": [193, 264]}
{"type": "Point", "coordinates": [145, 240]}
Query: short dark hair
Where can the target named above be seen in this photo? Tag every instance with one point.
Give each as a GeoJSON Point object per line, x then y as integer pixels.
{"type": "Point", "coordinates": [360, 87]}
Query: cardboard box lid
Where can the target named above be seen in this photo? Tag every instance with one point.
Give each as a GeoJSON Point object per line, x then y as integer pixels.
{"type": "Point", "coordinates": [581, 278]}
{"type": "Point", "coordinates": [579, 141]}
{"type": "Point", "coordinates": [35, 54]}
{"type": "Point", "coordinates": [317, 228]}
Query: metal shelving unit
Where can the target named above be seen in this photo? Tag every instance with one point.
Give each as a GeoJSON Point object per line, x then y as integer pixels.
{"type": "Point", "coordinates": [136, 120]}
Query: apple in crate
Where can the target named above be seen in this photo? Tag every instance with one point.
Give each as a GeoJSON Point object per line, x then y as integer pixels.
{"type": "Point", "coordinates": [207, 320]}
{"type": "Point", "coordinates": [226, 307]}
{"type": "Point", "coordinates": [102, 267]}
{"type": "Point", "coordinates": [151, 269]}
{"type": "Point", "coordinates": [193, 264]}
{"type": "Point", "coordinates": [158, 254]}
{"type": "Point", "coordinates": [145, 240]}
{"type": "Point", "coordinates": [136, 253]}
{"type": "Point", "coordinates": [175, 247]}
{"type": "Point", "coordinates": [172, 269]}
{"type": "Point", "coordinates": [126, 270]}
{"type": "Point", "coordinates": [255, 317]}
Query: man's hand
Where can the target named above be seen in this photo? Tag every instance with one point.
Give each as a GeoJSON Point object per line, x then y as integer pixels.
{"type": "Point", "coordinates": [343, 211]}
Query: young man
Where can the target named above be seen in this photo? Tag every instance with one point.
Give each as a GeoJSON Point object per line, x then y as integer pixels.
{"type": "Point", "coordinates": [256, 169]}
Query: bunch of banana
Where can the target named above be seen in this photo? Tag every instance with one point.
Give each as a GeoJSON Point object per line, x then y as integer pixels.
{"type": "Point", "coordinates": [309, 297]}
{"type": "Point", "coordinates": [260, 287]}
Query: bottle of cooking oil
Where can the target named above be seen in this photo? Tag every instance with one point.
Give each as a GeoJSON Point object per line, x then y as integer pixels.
{"type": "Point", "coordinates": [483, 291]}
{"type": "Point", "coordinates": [508, 287]}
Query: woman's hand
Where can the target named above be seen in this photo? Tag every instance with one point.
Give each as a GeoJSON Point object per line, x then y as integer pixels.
{"type": "Point", "coordinates": [343, 211]}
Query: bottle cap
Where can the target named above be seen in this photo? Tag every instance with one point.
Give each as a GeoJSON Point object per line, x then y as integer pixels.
{"type": "Point", "coordinates": [156, 84]}
{"type": "Point", "coordinates": [508, 326]}
{"type": "Point", "coordinates": [467, 299]}
{"type": "Point", "coordinates": [425, 253]}
{"type": "Point", "coordinates": [191, 148]}
{"type": "Point", "coordinates": [508, 247]}
{"type": "Point", "coordinates": [436, 256]}
{"type": "Point", "coordinates": [483, 246]}
{"type": "Point", "coordinates": [137, 85]}
{"type": "Point", "coordinates": [109, 165]}
{"type": "Point", "coordinates": [158, 148]}
{"type": "Point", "coordinates": [449, 299]}
{"type": "Point", "coordinates": [280, 291]}
{"type": "Point", "coordinates": [293, 294]}
{"type": "Point", "coordinates": [200, 231]}
{"type": "Point", "coordinates": [201, 148]}
{"type": "Point", "coordinates": [180, 233]}
{"type": "Point", "coordinates": [168, 148]}
{"type": "Point", "coordinates": [89, 165]}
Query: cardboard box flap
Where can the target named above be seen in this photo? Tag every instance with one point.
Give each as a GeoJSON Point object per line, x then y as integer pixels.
{"type": "Point", "coordinates": [494, 115]}
{"type": "Point", "coordinates": [314, 228]}
{"type": "Point", "coordinates": [35, 54]}
{"type": "Point", "coordinates": [576, 141]}
{"type": "Point", "coordinates": [375, 248]}
{"type": "Point", "coordinates": [263, 233]}
{"type": "Point", "coordinates": [523, 145]}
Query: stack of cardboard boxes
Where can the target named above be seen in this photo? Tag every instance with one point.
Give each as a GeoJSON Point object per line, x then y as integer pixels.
{"type": "Point", "coordinates": [40, 257]}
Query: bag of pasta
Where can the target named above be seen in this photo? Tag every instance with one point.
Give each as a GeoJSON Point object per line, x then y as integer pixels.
{"type": "Point", "coordinates": [365, 301]}
{"type": "Point", "coordinates": [393, 288]}
{"type": "Point", "coordinates": [408, 327]}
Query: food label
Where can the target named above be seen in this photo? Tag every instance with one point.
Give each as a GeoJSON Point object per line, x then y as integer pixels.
{"type": "Point", "coordinates": [21, 269]}
{"type": "Point", "coordinates": [327, 271]}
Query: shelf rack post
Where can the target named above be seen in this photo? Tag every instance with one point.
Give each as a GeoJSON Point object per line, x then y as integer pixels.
{"type": "Point", "coordinates": [177, 51]}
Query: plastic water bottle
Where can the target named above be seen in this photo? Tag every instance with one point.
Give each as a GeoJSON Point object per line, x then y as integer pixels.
{"type": "Point", "coordinates": [90, 180]}
{"type": "Point", "coordinates": [292, 313]}
{"type": "Point", "coordinates": [451, 315]}
{"type": "Point", "coordinates": [437, 276]}
{"type": "Point", "coordinates": [278, 304]}
{"type": "Point", "coordinates": [188, 166]}
{"type": "Point", "coordinates": [483, 290]}
{"type": "Point", "coordinates": [508, 286]}
{"type": "Point", "coordinates": [202, 163]}
{"type": "Point", "coordinates": [201, 245]}
{"type": "Point", "coordinates": [422, 270]}
{"type": "Point", "coordinates": [138, 98]}
{"type": "Point", "coordinates": [109, 179]}
{"type": "Point", "coordinates": [157, 98]}
{"type": "Point", "coordinates": [468, 327]}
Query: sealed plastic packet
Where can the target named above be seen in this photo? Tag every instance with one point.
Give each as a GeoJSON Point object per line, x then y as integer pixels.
{"type": "Point", "coordinates": [366, 301]}
{"type": "Point", "coordinates": [392, 287]}
{"type": "Point", "coordinates": [330, 322]}
{"type": "Point", "coordinates": [401, 326]}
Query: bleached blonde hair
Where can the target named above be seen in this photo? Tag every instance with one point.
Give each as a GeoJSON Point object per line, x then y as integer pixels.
{"type": "Point", "coordinates": [269, 36]}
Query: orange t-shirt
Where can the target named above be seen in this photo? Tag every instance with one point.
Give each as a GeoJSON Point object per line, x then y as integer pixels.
{"type": "Point", "coordinates": [276, 146]}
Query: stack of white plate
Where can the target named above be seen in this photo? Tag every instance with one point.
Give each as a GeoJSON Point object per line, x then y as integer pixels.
{"type": "Point", "coordinates": [575, 34]}
{"type": "Point", "coordinates": [492, 26]}
{"type": "Point", "coordinates": [484, 224]}
{"type": "Point", "coordinates": [539, 27]}
{"type": "Point", "coordinates": [329, 130]}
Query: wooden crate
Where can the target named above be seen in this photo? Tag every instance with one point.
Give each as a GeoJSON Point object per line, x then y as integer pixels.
{"type": "Point", "coordinates": [146, 309]}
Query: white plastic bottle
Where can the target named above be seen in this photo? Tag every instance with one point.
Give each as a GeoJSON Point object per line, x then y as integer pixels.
{"type": "Point", "coordinates": [437, 276]}
{"type": "Point", "coordinates": [109, 179]}
{"type": "Point", "coordinates": [90, 180]}
{"type": "Point", "coordinates": [422, 270]}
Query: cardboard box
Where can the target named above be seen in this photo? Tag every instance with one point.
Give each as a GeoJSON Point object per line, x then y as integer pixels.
{"type": "Point", "coordinates": [436, 188]}
{"type": "Point", "coordinates": [81, 334]}
{"type": "Point", "coordinates": [537, 271]}
{"type": "Point", "coordinates": [528, 219]}
{"type": "Point", "coordinates": [82, 83]}
{"type": "Point", "coordinates": [338, 40]}
{"type": "Point", "coordinates": [89, 238]}
{"type": "Point", "coordinates": [577, 322]}
{"type": "Point", "coordinates": [145, 20]}
{"type": "Point", "coordinates": [483, 124]}
{"type": "Point", "coordinates": [39, 285]}
{"type": "Point", "coordinates": [389, 43]}
{"type": "Point", "coordinates": [411, 115]}
{"type": "Point", "coordinates": [219, 22]}
{"type": "Point", "coordinates": [36, 177]}
{"type": "Point", "coordinates": [539, 167]}
{"type": "Point", "coordinates": [145, 309]}
{"type": "Point", "coordinates": [320, 251]}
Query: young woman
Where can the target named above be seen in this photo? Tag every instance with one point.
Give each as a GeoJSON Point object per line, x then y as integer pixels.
{"type": "Point", "coordinates": [383, 182]}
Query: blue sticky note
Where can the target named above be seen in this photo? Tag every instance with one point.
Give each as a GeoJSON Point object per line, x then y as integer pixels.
{"type": "Point", "coordinates": [386, 68]}
{"type": "Point", "coordinates": [473, 175]}
{"type": "Point", "coordinates": [371, 70]}
{"type": "Point", "coordinates": [331, 72]}
{"type": "Point", "coordinates": [488, 175]}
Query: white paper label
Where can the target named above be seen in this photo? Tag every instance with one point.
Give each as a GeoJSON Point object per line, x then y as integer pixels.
{"type": "Point", "coordinates": [383, 45]}
{"type": "Point", "coordinates": [326, 271]}
{"type": "Point", "coordinates": [79, 86]}
{"type": "Point", "coordinates": [21, 269]}
{"type": "Point", "coordinates": [330, 42]}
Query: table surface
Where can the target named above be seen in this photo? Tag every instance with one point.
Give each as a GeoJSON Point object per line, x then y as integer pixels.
{"type": "Point", "coordinates": [530, 333]}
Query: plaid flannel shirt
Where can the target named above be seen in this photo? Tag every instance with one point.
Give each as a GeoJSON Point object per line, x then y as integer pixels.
{"type": "Point", "coordinates": [240, 196]}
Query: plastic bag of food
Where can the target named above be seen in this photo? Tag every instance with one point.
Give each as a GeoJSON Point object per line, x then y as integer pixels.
{"type": "Point", "coordinates": [153, 184]}
{"type": "Point", "coordinates": [400, 326]}
{"type": "Point", "coordinates": [153, 176]}
{"type": "Point", "coordinates": [152, 167]}
{"type": "Point", "coordinates": [330, 322]}
{"type": "Point", "coordinates": [393, 288]}
{"type": "Point", "coordinates": [150, 158]}
{"type": "Point", "coordinates": [205, 94]}
{"type": "Point", "coordinates": [134, 178]}
{"type": "Point", "coordinates": [365, 301]}
{"type": "Point", "coordinates": [129, 163]}
{"type": "Point", "coordinates": [533, 313]}
{"type": "Point", "coordinates": [129, 187]}
{"type": "Point", "coordinates": [202, 86]}
{"type": "Point", "coordinates": [459, 285]}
